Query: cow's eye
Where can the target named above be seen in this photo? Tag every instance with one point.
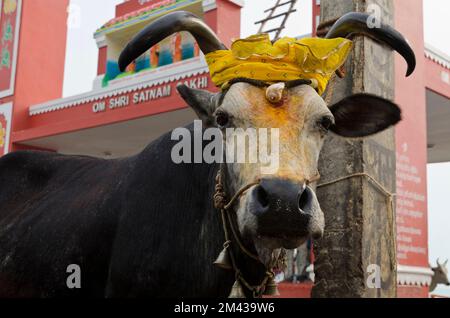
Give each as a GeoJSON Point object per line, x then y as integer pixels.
{"type": "Point", "coordinates": [222, 119]}
{"type": "Point", "coordinates": [325, 123]}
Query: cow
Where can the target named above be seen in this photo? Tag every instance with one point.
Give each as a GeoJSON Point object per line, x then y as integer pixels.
{"type": "Point", "coordinates": [440, 273]}
{"type": "Point", "coordinates": [145, 226]}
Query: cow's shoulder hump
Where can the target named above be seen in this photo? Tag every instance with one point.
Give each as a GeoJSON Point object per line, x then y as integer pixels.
{"type": "Point", "coordinates": [35, 168]}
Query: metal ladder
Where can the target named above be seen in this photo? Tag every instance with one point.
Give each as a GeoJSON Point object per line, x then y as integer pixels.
{"type": "Point", "coordinates": [274, 15]}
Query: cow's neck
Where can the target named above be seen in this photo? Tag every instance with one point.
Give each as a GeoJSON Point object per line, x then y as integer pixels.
{"type": "Point", "coordinates": [186, 192]}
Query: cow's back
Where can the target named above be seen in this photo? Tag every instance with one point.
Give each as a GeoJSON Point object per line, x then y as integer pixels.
{"type": "Point", "coordinates": [56, 211]}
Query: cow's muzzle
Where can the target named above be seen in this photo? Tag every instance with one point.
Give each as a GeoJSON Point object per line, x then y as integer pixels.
{"type": "Point", "coordinates": [285, 209]}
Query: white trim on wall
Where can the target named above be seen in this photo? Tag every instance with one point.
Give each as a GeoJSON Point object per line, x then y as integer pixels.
{"type": "Point", "coordinates": [413, 275]}
{"type": "Point", "coordinates": [10, 91]}
{"type": "Point", "coordinates": [101, 41]}
{"type": "Point", "coordinates": [240, 3]}
{"type": "Point", "coordinates": [209, 5]}
{"type": "Point", "coordinates": [437, 56]}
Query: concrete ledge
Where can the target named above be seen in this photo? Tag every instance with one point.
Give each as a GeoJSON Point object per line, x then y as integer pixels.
{"type": "Point", "coordinates": [412, 275]}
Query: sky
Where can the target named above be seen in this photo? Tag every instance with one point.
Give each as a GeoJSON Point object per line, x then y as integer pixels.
{"type": "Point", "coordinates": [81, 66]}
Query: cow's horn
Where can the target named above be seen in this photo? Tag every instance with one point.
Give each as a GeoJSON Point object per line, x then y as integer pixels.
{"type": "Point", "coordinates": [437, 262]}
{"type": "Point", "coordinates": [165, 26]}
{"type": "Point", "coordinates": [445, 263]}
{"type": "Point", "coordinates": [357, 23]}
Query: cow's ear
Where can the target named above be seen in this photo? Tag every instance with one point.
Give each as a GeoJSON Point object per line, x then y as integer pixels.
{"type": "Point", "coordinates": [363, 115]}
{"type": "Point", "coordinates": [204, 103]}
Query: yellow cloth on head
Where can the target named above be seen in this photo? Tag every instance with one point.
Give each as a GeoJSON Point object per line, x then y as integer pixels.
{"type": "Point", "coordinates": [285, 60]}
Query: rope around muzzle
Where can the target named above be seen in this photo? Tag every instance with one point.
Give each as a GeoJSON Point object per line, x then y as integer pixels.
{"type": "Point", "coordinates": [221, 203]}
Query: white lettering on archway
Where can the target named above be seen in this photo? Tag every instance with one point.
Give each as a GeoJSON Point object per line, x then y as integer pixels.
{"type": "Point", "coordinates": [148, 95]}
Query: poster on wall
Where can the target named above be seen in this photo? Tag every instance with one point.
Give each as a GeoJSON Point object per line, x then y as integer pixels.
{"type": "Point", "coordinates": [9, 40]}
{"type": "Point", "coordinates": [412, 228]}
{"type": "Point", "coordinates": [5, 127]}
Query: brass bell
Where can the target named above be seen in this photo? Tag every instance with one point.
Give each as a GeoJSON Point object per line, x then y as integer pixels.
{"type": "Point", "coordinates": [223, 260]}
{"type": "Point", "coordinates": [271, 288]}
{"type": "Point", "coordinates": [237, 291]}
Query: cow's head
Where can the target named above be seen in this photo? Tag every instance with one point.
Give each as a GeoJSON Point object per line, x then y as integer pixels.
{"type": "Point", "coordinates": [282, 210]}
{"type": "Point", "coordinates": [440, 275]}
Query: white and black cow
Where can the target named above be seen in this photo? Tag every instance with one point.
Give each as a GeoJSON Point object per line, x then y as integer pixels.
{"type": "Point", "coordinates": [144, 226]}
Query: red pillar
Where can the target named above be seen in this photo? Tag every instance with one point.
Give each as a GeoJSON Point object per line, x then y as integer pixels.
{"type": "Point", "coordinates": [40, 58]}
{"type": "Point", "coordinates": [316, 15]}
{"type": "Point", "coordinates": [411, 140]}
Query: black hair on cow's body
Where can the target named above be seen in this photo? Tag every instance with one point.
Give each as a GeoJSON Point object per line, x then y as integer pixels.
{"type": "Point", "coordinates": [138, 227]}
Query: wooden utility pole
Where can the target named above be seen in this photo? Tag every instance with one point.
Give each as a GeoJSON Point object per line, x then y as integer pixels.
{"type": "Point", "coordinates": [358, 250]}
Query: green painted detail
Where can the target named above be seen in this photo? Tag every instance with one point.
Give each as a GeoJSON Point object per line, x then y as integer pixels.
{"type": "Point", "coordinates": [5, 60]}
{"type": "Point", "coordinates": [7, 32]}
{"type": "Point", "coordinates": [105, 80]}
{"type": "Point", "coordinates": [124, 74]}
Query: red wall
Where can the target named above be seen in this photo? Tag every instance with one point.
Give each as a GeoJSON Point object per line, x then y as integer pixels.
{"type": "Point", "coordinates": [412, 292]}
{"type": "Point", "coordinates": [229, 21]}
{"type": "Point", "coordinates": [411, 140]}
{"type": "Point", "coordinates": [132, 5]}
{"type": "Point", "coordinates": [41, 57]}
{"type": "Point", "coordinates": [102, 58]}
{"type": "Point", "coordinates": [291, 290]}
{"type": "Point", "coordinates": [315, 13]}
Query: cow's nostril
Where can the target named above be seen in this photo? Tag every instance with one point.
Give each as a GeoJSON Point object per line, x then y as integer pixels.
{"type": "Point", "coordinates": [304, 200]}
{"type": "Point", "coordinates": [317, 235]}
{"type": "Point", "coordinates": [262, 196]}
